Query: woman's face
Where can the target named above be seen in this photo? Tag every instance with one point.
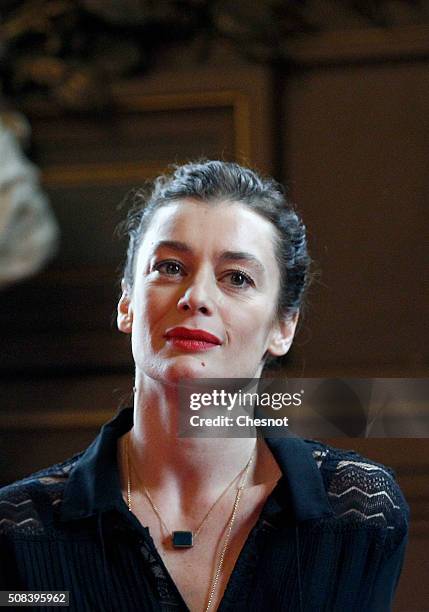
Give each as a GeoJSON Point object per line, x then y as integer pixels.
{"type": "Point", "coordinates": [205, 294]}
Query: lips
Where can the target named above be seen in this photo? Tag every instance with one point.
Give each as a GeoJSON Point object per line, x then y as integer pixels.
{"type": "Point", "coordinates": [192, 339]}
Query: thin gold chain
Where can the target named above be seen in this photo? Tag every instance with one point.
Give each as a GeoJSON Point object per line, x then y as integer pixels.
{"type": "Point", "coordinates": [228, 534]}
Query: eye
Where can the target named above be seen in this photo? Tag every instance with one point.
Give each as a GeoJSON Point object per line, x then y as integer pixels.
{"type": "Point", "coordinates": [239, 279]}
{"type": "Point", "coordinates": [170, 268]}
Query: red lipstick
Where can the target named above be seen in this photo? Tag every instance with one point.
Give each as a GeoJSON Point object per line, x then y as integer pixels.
{"type": "Point", "coordinates": [192, 339]}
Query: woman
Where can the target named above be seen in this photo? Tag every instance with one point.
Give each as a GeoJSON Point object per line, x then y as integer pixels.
{"type": "Point", "coordinates": [145, 520]}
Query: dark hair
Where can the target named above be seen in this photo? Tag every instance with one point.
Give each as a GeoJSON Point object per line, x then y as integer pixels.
{"type": "Point", "coordinates": [218, 181]}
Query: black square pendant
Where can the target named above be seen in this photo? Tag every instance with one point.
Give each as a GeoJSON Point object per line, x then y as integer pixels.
{"type": "Point", "coordinates": [182, 539]}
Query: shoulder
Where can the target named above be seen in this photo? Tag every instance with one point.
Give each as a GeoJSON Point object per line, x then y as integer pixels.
{"type": "Point", "coordinates": [27, 504]}
{"type": "Point", "coordinates": [360, 490]}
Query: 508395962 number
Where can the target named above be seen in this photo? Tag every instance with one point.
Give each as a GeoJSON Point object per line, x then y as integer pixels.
{"type": "Point", "coordinates": [34, 598]}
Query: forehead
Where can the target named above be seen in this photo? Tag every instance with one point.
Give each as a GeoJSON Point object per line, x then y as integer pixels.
{"type": "Point", "coordinates": [212, 227]}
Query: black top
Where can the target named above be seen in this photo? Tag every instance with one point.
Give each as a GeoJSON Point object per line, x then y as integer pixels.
{"type": "Point", "coordinates": [331, 536]}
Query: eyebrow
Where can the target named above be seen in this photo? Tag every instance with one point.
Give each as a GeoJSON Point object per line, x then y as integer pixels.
{"type": "Point", "coordinates": [242, 256]}
{"type": "Point", "coordinates": [225, 256]}
{"type": "Point", "coordinates": [173, 244]}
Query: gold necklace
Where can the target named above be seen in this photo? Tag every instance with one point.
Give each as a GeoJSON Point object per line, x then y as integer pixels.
{"type": "Point", "coordinates": [230, 523]}
{"type": "Point", "coordinates": [182, 538]}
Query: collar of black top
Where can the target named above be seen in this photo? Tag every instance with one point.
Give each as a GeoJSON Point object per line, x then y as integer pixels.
{"type": "Point", "coordinates": [94, 486]}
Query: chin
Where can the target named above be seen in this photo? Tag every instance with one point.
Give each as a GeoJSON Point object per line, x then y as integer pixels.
{"type": "Point", "coordinates": [188, 367]}
{"type": "Point", "coordinates": [174, 369]}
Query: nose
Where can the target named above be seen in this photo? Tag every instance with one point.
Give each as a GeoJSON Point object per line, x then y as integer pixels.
{"type": "Point", "coordinates": [198, 296]}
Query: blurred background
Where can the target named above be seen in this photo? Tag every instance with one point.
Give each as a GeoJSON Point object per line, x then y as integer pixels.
{"type": "Point", "coordinates": [96, 96]}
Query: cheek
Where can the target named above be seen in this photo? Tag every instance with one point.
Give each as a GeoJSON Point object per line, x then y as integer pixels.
{"type": "Point", "coordinates": [153, 300]}
{"type": "Point", "coordinates": [156, 306]}
{"type": "Point", "coordinates": [248, 326]}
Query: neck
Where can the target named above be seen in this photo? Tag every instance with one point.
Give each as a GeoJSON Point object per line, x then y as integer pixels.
{"type": "Point", "coordinates": [185, 466]}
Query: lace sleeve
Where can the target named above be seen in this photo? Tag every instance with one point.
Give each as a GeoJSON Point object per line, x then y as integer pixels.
{"type": "Point", "coordinates": [364, 491]}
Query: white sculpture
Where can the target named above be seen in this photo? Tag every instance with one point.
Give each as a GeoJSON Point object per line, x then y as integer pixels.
{"type": "Point", "coordinates": [28, 230]}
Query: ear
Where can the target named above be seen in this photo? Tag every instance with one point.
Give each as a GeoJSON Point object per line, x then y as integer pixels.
{"type": "Point", "coordinates": [125, 313]}
{"type": "Point", "coordinates": [282, 335]}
